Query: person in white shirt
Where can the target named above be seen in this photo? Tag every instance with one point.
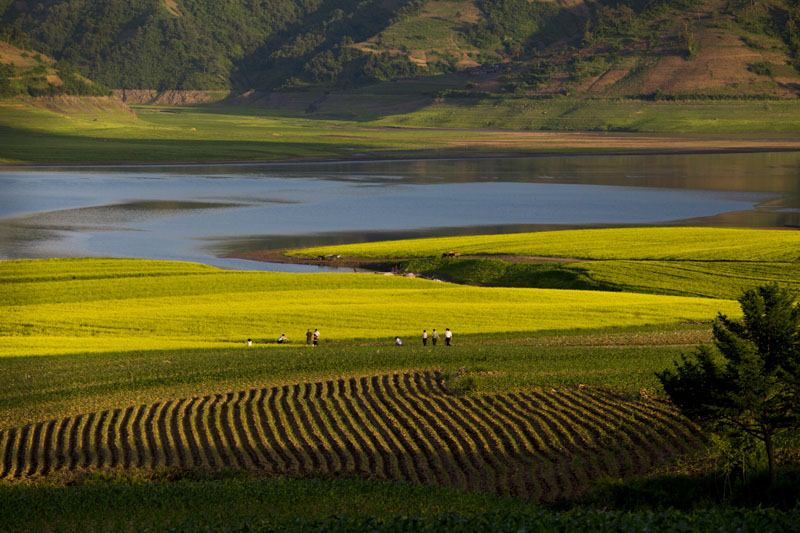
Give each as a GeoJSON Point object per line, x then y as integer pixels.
{"type": "Point", "coordinates": [398, 341]}
{"type": "Point", "coordinates": [424, 337]}
{"type": "Point", "coordinates": [447, 336]}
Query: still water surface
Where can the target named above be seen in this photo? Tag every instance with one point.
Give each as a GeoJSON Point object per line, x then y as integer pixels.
{"type": "Point", "coordinates": [203, 212]}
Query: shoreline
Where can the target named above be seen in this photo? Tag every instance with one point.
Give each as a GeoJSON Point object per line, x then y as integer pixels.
{"type": "Point", "coordinates": [425, 155]}
{"type": "Point", "coordinates": [371, 263]}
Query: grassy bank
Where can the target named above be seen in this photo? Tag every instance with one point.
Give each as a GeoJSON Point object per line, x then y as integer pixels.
{"type": "Point", "coordinates": [73, 132]}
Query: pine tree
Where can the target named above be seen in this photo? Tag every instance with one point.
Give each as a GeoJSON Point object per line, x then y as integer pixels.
{"type": "Point", "coordinates": [755, 388]}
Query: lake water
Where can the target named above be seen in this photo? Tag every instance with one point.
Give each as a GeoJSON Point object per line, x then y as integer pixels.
{"type": "Point", "coordinates": [203, 212]}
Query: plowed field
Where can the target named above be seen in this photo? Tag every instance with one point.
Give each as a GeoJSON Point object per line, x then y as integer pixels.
{"type": "Point", "coordinates": [539, 445]}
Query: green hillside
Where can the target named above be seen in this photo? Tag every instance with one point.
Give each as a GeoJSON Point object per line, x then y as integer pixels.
{"type": "Point", "coordinates": [659, 49]}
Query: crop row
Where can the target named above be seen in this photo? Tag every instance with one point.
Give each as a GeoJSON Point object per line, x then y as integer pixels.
{"type": "Point", "coordinates": [540, 445]}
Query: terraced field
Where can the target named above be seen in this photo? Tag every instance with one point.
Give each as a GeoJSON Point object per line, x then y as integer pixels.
{"type": "Point", "coordinates": [538, 445]}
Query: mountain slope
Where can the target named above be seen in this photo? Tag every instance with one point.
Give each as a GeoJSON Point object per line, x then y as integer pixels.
{"type": "Point", "coordinates": [610, 48]}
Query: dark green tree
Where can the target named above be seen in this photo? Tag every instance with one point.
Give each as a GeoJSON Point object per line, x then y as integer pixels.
{"type": "Point", "coordinates": [754, 388]}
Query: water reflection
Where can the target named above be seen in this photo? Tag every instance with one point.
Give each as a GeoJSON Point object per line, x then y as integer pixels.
{"type": "Point", "coordinates": [199, 212]}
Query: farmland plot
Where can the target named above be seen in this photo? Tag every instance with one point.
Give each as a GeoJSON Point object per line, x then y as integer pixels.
{"type": "Point", "coordinates": [536, 444]}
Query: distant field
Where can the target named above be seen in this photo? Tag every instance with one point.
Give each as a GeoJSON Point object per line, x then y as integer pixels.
{"type": "Point", "coordinates": [654, 244]}
{"type": "Point", "coordinates": [84, 131]}
{"type": "Point", "coordinates": [116, 308]}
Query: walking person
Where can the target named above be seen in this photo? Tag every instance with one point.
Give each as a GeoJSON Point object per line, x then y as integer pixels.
{"type": "Point", "coordinates": [309, 337]}
{"type": "Point", "coordinates": [424, 337]}
{"type": "Point", "coordinates": [316, 337]}
{"type": "Point", "coordinates": [434, 337]}
{"type": "Point", "coordinates": [448, 335]}
{"type": "Point", "coordinates": [398, 341]}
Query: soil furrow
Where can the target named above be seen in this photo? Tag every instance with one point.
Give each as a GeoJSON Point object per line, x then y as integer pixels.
{"type": "Point", "coordinates": [295, 454]}
{"type": "Point", "coordinates": [458, 451]}
{"type": "Point", "coordinates": [137, 432]}
{"type": "Point", "coordinates": [73, 447]}
{"type": "Point", "coordinates": [566, 446]}
{"type": "Point", "coordinates": [243, 431]}
{"type": "Point", "coordinates": [635, 458]}
{"type": "Point", "coordinates": [581, 464]}
{"type": "Point", "coordinates": [596, 434]}
{"type": "Point", "coordinates": [10, 438]}
{"type": "Point", "coordinates": [431, 447]}
{"type": "Point", "coordinates": [342, 443]}
{"type": "Point", "coordinates": [482, 454]}
{"type": "Point", "coordinates": [610, 440]}
{"type": "Point", "coordinates": [100, 444]}
{"type": "Point", "coordinates": [86, 451]}
{"type": "Point", "coordinates": [202, 433]}
{"type": "Point", "coordinates": [463, 437]}
{"type": "Point", "coordinates": [61, 444]}
{"type": "Point", "coordinates": [195, 458]}
{"type": "Point", "coordinates": [333, 452]}
{"type": "Point", "coordinates": [36, 449]}
{"type": "Point", "coordinates": [302, 407]}
{"type": "Point", "coordinates": [22, 447]}
{"type": "Point", "coordinates": [529, 463]}
{"type": "Point", "coordinates": [630, 421]}
{"type": "Point", "coordinates": [380, 420]}
{"type": "Point", "coordinates": [175, 430]}
{"type": "Point", "coordinates": [265, 458]}
{"type": "Point", "coordinates": [213, 426]}
{"type": "Point", "coordinates": [309, 461]}
{"type": "Point", "coordinates": [363, 457]}
{"type": "Point", "coordinates": [535, 479]}
{"type": "Point", "coordinates": [49, 450]}
{"type": "Point", "coordinates": [503, 447]}
{"type": "Point", "coordinates": [124, 437]}
{"type": "Point", "coordinates": [557, 479]}
{"type": "Point", "coordinates": [152, 450]}
{"type": "Point", "coordinates": [685, 436]}
{"type": "Point", "coordinates": [3, 443]}
{"type": "Point", "coordinates": [113, 450]}
{"type": "Point", "coordinates": [232, 447]}
{"type": "Point", "coordinates": [418, 452]}
{"type": "Point", "coordinates": [284, 461]}
{"type": "Point", "coordinates": [389, 461]}
{"type": "Point", "coordinates": [167, 452]}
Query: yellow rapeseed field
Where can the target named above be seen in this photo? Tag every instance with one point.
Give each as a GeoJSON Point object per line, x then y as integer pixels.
{"type": "Point", "coordinates": [698, 244]}
{"type": "Point", "coordinates": [123, 305]}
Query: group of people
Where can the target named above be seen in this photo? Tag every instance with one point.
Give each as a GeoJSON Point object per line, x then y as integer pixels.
{"type": "Point", "coordinates": [312, 338]}
{"type": "Point", "coordinates": [434, 337]}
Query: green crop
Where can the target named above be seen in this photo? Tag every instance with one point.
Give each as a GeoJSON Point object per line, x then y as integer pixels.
{"type": "Point", "coordinates": [708, 279]}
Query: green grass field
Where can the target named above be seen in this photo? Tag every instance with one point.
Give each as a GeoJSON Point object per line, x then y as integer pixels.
{"type": "Point", "coordinates": [707, 279]}
{"type": "Point", "coordinates": [376, 124]}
